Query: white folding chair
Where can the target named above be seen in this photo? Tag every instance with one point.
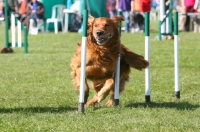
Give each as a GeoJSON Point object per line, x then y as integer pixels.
{"type": "Point", "coordinates": [57, 16]}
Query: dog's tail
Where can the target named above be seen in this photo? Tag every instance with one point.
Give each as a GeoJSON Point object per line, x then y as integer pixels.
{"type": "Point", "coordinates": [134, 60]}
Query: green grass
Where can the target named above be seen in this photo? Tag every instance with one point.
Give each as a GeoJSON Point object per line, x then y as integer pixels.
{"type": "Point", "coordinates": [37, 94]}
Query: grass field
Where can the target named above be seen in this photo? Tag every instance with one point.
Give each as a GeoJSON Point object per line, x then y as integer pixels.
{"type": "Point", "coordinates": [37, 94]}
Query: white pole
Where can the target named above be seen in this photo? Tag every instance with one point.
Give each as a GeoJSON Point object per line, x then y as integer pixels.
{"type": "Point", "coordinates": [176, 56]}
{"type": "Point", "coordinates": [176, 63]}
{"type": "Point", "coordinates": [147, 70]}
{"type": "Point", "coordinates": [167, 22]}
{"type": "Point", "coordinates": [83, 63]}
{"type": "Point", "coordinates": [13, 30]}
{"type": "Point", "coordinates": [19, 33]}
{"type": "Point", "coordinates": [162, 15]}
{"type": "Point", "coordinates": [117, 74]}
{"type": "Point", "coordinates": [147, 57]}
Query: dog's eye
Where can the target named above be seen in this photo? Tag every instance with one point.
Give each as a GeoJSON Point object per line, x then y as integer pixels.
{"type": "Point", "coordinates": [106, 25]}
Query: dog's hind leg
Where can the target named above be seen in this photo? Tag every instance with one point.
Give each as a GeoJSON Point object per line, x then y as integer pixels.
{"type": "Point", "coordinates": [86, 89]}
{"type": "Point", "coordinates": [76, 81]}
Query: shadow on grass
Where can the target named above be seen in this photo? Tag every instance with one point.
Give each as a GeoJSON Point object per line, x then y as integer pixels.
{"type": "Point", "coordinates": [60, 109]}
{"type": "Point", "coordinates": [64, 109]}
{"type": "Point", "coordinates": [172, 105]}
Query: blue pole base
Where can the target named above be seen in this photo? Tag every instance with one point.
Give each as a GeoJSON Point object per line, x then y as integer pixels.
{"type": "Point", "coordinates": [177, 94]}
{"type": "Point", "coordinates": [116, 102]}
{"type": "Point", "coordinates": [147, 98]}
{"type": "Point", "coordinates": [80, 108]}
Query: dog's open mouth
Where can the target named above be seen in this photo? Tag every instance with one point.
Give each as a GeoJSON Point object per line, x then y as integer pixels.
{"type": "Point", "coordinates": [101, 40]}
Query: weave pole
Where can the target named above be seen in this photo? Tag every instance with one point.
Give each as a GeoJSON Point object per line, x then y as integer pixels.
{"type": "Point", "coordinates": [6, 23]}
{"type": "Point", "coordinates": [25, 44]}
{"type": "Point", "coordinates": [145, 7]}
{"type": "Point", "coordinates": [83, 62]}
{"type": "Point", "coordinates": [147, 57]}
{"type": "Point", "coordinates": [117, 75]}
{"type": "Point", "coordinates": [117, 82]}
{"type": "Point", "coordinates": [176, 56]}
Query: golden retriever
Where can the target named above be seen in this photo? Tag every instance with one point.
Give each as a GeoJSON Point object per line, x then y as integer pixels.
{"type": "Point", "coordinates": [103, 49]}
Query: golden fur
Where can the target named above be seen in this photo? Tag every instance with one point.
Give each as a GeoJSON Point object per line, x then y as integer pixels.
{"type": "Point", "coordinates": [103, 49]}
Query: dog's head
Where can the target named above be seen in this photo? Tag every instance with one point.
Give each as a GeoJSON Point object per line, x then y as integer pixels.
{"type": "Point", "coordinates": [103, 29]}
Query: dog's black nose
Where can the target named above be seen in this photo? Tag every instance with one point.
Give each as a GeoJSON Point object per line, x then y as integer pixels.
{"type": "Point", "coordinates": [99, 33]}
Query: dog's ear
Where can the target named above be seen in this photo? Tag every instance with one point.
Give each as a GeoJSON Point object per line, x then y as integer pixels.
{"type": "Point", "coordinates": [116, 19]}
{"type": "Point", "coordinates": [90, 21]}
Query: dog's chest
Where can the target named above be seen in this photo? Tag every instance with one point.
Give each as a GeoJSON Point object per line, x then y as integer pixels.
{"type": "Point", "coordinates": [99, 65]}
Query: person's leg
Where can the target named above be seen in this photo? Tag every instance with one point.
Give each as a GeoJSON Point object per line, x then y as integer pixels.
{"type": "Point", "coordinates": [193, 20]}
{"type": "Point", "coordinates": [182, 18]}
{"type": "Point", "coordinates": [112, 13]}
{"type": "Point", "coordinates": [127, 21]}
{"type": "Point", "coordinates": [131, 17]}
{"type": "Point", "coordinates": [34, 17]}
{"type": "Point", "coordinates": [187, 23]}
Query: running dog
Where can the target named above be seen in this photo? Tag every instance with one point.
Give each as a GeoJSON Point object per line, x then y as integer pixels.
{"type": "Point", "coordinates": [103, 50]}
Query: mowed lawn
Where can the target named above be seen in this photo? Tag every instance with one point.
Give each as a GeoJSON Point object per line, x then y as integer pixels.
{"type": "Point", "coordinates": [37, 93]}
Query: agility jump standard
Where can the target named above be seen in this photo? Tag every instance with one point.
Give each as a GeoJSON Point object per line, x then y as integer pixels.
{"type": "Point", "coordinates": [13, 32]}
{"type": "Point", "coordinates": [165, 22]}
